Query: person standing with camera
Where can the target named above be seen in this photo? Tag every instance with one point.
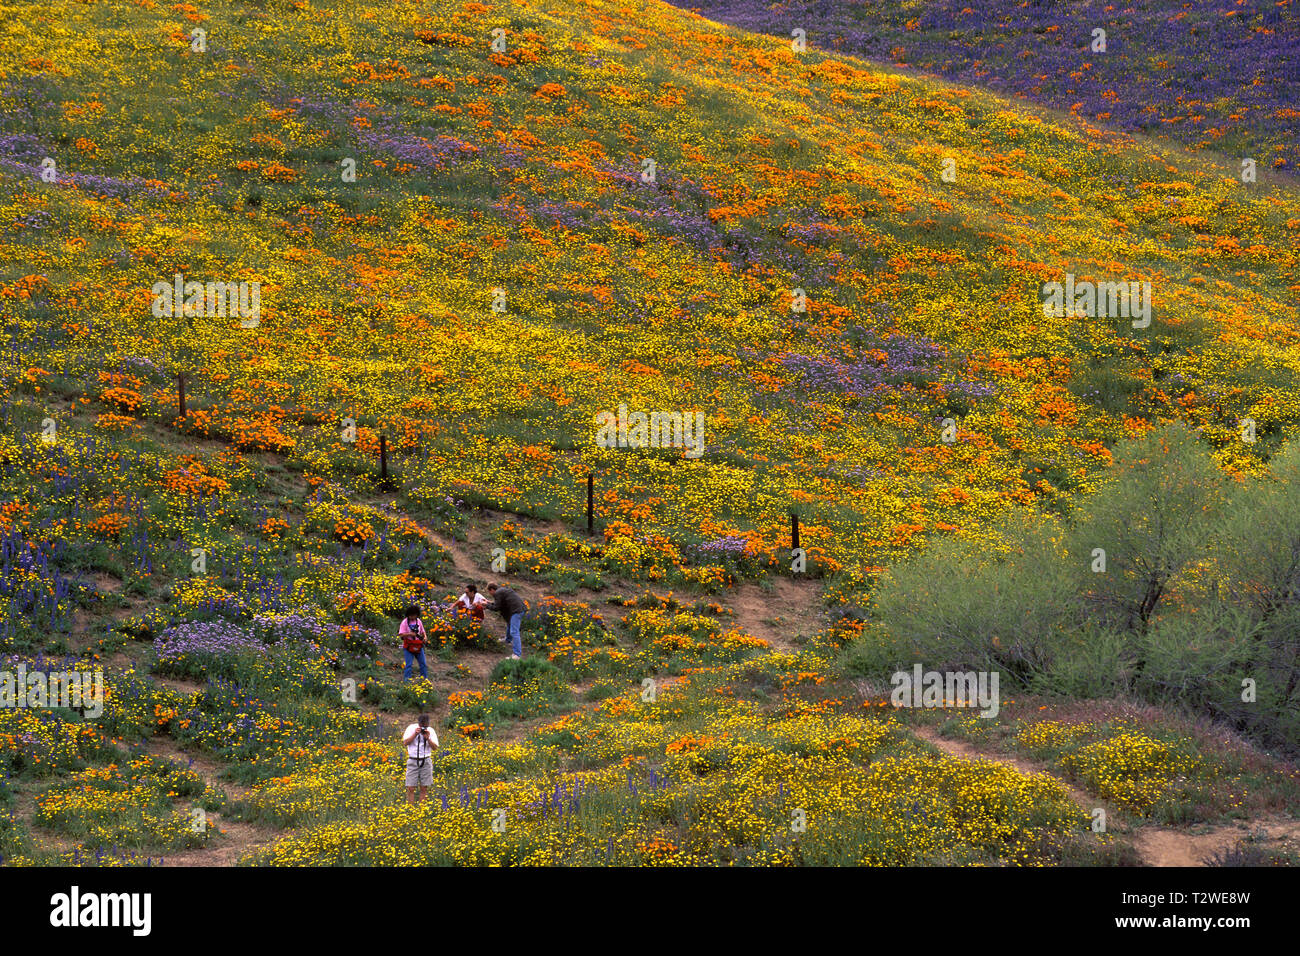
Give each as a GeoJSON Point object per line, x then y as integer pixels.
{"type": "Point", "coordinates": [421, 742]}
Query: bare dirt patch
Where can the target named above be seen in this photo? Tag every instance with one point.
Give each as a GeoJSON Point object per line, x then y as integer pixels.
{"type": "Point", "coordinates": [789, 609]}
{"type": "Point", "coordinates": [234, 838]}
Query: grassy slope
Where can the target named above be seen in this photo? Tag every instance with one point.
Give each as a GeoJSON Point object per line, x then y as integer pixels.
{"type": "Point", "coordinates": [1212, 75]}
{"type": "Point", "coordinates": [753, 145]}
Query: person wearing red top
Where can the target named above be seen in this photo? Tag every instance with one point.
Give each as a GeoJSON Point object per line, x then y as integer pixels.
{"type": "Point", "coordinates": [413, 637]}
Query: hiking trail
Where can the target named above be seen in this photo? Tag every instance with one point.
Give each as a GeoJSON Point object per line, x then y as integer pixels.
{"type": "Point", "coordinates": [1156, 845]}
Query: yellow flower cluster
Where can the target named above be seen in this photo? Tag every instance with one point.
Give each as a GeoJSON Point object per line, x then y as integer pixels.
{"type": "Point", "coordinates": [1131, 768]}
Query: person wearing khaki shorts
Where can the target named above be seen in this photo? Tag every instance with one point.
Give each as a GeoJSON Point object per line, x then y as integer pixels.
{"type": "Point", "coordinates": [421, 742]}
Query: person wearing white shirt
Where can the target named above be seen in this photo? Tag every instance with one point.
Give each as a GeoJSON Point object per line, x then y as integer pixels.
{"type": "Point", "coordinates": [421, 742]}
{"type": "Point", "coordinates": [472, 602]}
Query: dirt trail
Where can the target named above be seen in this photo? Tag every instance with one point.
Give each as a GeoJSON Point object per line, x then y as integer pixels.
{"type": "Point", "coordinates": [789, 610]}
{"type": "Point", "coordinates": [1160, 846]}
{"type": "Point", "coordinates": [1156, 846]}
{"type": "Point", "coordinates": [472, 561]}
{"type": "Point", "coordinates": [235, 838]}
{"type": "Point", "coordinates": [460, 558]}
{"type": "Point", "coordinates": [180, 684]}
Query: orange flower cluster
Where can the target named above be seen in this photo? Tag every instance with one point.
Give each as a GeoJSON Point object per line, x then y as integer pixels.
{"type": "Point", "coordinates": [688, 743]}
{"type": "Point", "coordinates": [280, 173]}
{"type": "Point", "coordinates": [192, 479]}
{"type": "Point", "coordinates": [13, 513]}
{"type": "Point", "coordinates": [274, 527]}
{"type": "Point", "coordinates": [113, 422]}
{"type": "Point", "coordinates": [657, 849]}
{"type": "Point", "coordinates": [123, 398]}
{"type": "Point", "coordinates": [352, 530]}
{"type": "Point", "coordinates": [110, 525]}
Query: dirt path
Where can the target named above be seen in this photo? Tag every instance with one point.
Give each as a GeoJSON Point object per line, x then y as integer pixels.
{"type": "Point", "coordinates": [1156, 846]}
{"type": "Point", "coordinates": [1160, 846]}
{"type": "Point", "coordinates": [235, 838]}
{"type": "Point", "coordinates": [180, 684]}
{"type": "Point", "coordinates": [465, 565]}
{"type": "Point", "coordinates": [472, 561]}
{"type": "Point", "coordinates": [789, 610]}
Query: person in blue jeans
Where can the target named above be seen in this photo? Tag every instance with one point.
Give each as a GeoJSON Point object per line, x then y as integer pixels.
{"type": "Point", "coordinates": [413, 637]}
{"type": "Point", "coordinates": [511, 607]}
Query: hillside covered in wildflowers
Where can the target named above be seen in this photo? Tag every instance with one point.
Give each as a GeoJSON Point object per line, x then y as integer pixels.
{"type": "Point", "coordinates": [454, 234]}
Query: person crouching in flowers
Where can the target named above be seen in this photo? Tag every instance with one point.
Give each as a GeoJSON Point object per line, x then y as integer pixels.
{"type": "Point", "coordinates": [471, 601]}
{"type": "Point", "coordinates": [413, 637]}
{"type": "Point", "coordinates": [421, 742]}
{"type": "Point", "coordinates": [511, 607]}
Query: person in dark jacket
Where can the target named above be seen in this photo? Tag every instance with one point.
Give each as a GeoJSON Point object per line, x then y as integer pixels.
{"type": "Point", "coordinates": [511, 607]}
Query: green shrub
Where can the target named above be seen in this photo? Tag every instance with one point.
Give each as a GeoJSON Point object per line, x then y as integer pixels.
{"type": "Point", "coordinates": [531, 675]}
{"type": "Point", "coordinates": [1154, 519]}
{"type": "Point", "coordinates": [958, 606]}
{"type": "Point", "coordinates": [1168, 583]}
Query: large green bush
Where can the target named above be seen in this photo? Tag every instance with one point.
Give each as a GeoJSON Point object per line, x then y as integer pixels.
{"type": "Point", "coordinates": [1169, 582]}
